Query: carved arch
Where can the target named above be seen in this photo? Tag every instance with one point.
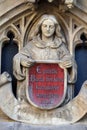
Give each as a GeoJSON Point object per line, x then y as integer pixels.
{"type": "Point", "coordinates": [4, 38]}
{"type": "Point", "coordinates": [9, 47]}
{"type": "Point", "coordinates": [78, 51]}
{"type": "Point", "coordinates": [76, 37]}
{"type": "Point", "coordinates": [29, 28]}
{"type": "Point", "coordinates": [35, 17]}
{"type": "Point", "coordinates": [15, 31]}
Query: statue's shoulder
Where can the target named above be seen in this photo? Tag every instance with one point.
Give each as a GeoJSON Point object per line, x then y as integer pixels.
{"type": "Point", "coordinates": [58, 41]}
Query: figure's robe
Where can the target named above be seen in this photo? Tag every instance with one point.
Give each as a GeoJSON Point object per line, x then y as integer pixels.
{"type": "Point", "coordinates": [37, 49]}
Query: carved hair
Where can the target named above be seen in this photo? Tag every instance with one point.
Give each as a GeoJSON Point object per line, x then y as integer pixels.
{"type": "Point", "coordinates": [42, 19]}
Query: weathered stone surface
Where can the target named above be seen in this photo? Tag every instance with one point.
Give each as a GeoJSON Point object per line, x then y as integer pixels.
{"type": "Point", "coordinates": [11, 12]}
{"type": "Point", "coordinates": [7, 5]}
{"type": "Point", "coordinates": [3, 117]}
{"type": "Point", "coordinates": [22, 126]}
{"type": "Point", "coordinates": [23, 112]}
{"type": "Point", "coordinates": [82, 4]}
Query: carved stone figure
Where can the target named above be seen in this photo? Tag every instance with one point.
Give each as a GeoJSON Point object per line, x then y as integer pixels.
{"type": "Point", "coordinates": [47, 44]}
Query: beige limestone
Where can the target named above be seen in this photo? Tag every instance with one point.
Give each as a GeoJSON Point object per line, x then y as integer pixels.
{"type": "Point", "coordinates": [18, 12]}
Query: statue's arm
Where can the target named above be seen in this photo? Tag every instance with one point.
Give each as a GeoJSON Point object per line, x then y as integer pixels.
{"type": "Point", "coordinates": [21, 61]}
{"type": "Point", "coordinates": [65, 57]}
{"type": "Point", "coordinates": [17, 68]}
{"type": "Point", "coordinates": [67, 61]}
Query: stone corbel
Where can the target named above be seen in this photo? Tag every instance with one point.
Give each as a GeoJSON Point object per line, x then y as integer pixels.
{"type": "Point", "coordinates": [70, 3]}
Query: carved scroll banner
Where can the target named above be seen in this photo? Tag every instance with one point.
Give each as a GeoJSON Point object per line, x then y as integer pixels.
{"type": "Point", "coordinates": [25, 112]}
{"type": "Point", "coordinates": [47, 86]}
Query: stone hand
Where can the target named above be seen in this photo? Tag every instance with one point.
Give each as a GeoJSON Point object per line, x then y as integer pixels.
{"type": "Point", "coordinates": [27, 62]}
{"type": "Point", "coordinates": [66, 63]}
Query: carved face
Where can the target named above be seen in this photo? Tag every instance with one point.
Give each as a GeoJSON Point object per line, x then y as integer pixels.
{"type": "Point", "coordinates": [48, 28]}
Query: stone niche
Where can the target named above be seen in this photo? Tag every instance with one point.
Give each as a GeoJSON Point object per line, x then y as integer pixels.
{"type": "Point", "coordinates": [38, 41]}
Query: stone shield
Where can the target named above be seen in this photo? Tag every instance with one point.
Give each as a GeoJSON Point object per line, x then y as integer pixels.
{"type": "Point", "coordinates": [46, 85]}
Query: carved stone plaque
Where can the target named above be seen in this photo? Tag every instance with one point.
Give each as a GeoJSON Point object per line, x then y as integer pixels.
{"type": "Point", "coordinates": [46, 85]}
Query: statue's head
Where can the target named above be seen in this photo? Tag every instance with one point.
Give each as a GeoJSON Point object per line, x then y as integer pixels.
{"type": "Point", "coordinates": [48, 25]}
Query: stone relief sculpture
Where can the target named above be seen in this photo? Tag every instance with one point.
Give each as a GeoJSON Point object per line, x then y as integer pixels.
{"type": "Point", "coordinates": [47, 46]}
